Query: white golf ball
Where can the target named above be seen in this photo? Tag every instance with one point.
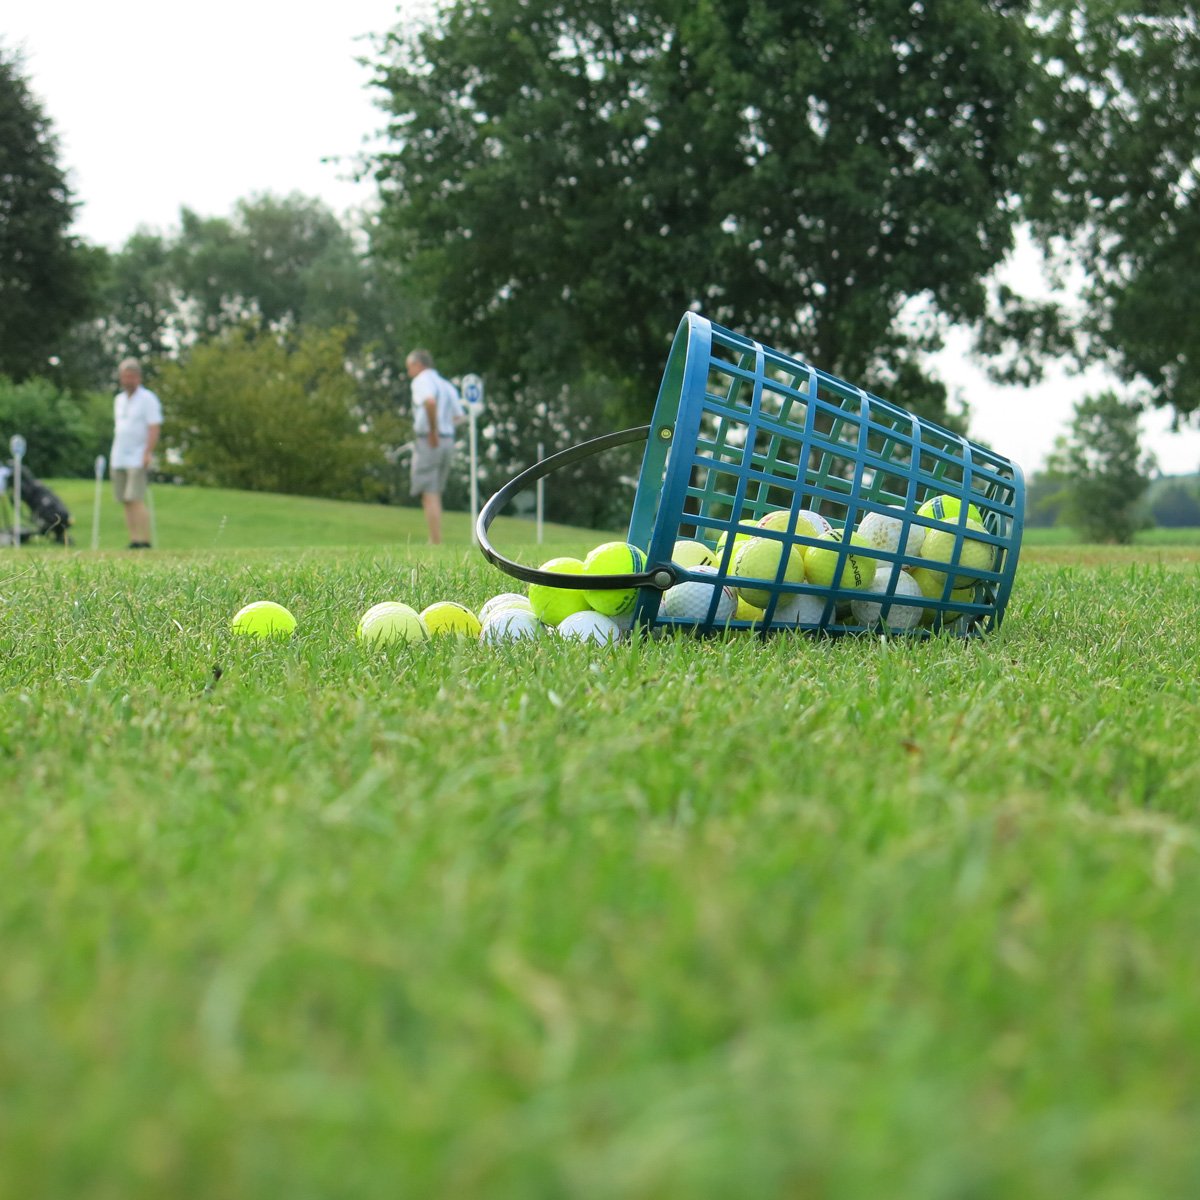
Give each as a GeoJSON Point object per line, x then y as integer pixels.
{"type": "Point", "coordinates": [589, 626]}
{"type": "Point", "coordinates": [800, 610]}
{"type": "Point", "coordinates": [818, 522]}
{"type": "Point", "coordinates": [623, 621]}
{"type": "Point", "coordinates": [688, 602]}
{"type": "Point", "coordinates": [510, 625]}
{"type": "Point", "coordinates": [504, 600]}
{"type": "Point", "coordinates": [882, 531]}
{"type": "Point", "coordinates": [900, 616]}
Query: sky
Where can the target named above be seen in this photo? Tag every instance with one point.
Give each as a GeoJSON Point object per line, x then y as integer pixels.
{"type": "Point", "coordinates": [231, 100]}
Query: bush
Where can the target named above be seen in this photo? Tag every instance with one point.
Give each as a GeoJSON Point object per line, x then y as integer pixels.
{"type": "Point", "coordinates": [251, 410]}
{"type": "Point", "coordinates": [63, 432]}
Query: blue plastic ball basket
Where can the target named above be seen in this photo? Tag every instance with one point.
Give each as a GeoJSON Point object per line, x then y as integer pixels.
{"type": "Point", "coordinates": [740, 431]}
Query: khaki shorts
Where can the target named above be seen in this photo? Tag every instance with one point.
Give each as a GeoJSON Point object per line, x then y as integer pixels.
{"type": "Point", "coordinates": [431, 466]}
{"type": "Point", "coordinates": [129, 484]}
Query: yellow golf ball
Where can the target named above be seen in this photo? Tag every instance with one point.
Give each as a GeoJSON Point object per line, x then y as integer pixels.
{"type": "Point", "coordinates": [759, 559]}
{"type": "Point", "coordinates": [821, 564]}
{"type": "Point", "coordinates": [263, 618]}
{"type": "Point", "coordinates": [448, 617]}
{"type": "Point", "coordinates": [613, 558]}
{"type": "Point", "coordinates": [975, 556]}
{"type": "Point", "coordinates": [551, 604]}
{"type": "Point", "coordinates": [947, 508]}
{"type": "Point", "coordinates": [389, 622]}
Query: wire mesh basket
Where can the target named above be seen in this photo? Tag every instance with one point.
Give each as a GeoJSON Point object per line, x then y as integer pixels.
{"type": "Point", "coordinates": [802, 501]}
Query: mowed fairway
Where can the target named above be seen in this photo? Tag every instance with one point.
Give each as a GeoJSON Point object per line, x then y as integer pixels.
{"type": "Point", "coordinates": [790, 918]}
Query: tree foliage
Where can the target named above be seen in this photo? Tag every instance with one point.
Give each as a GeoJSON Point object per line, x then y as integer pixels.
{"type": "Point", "coordinates": [595, 493]}
{"type": "Point", "coordinates": [1045, 494]}
{"type": "Point", "coordinates": [1103, 471]}
{"type": "Point", "coordinates": [276, 259]}
{"type": "Point", "coordinates": [47, 277]}
{"type": "Point", "coordinates": [283, 261]}
{"type": "Point", "coordinates": [63, 431]}
{"type": "Point", "coordinates": [248, 409]}
{"type": "Point", "coordinates": [1175, 504]}
{"type": "Point", "coordinates": [1114, 185]}
{"type": "Point", "coordinates": [563, 183]}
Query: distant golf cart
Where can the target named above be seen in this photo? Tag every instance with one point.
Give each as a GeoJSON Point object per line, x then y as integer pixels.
{"type": "Point", "coordinates": [44, 516]}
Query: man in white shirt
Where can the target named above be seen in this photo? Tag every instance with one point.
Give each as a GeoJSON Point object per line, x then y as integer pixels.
{"type": "Point", "coordinates": [137, 422]}
{"type": "Point", "coordinates": [437, 411]}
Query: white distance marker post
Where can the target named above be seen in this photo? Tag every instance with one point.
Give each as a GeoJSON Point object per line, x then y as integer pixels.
{"type": "Point", "coordinates": [100, 465]}
{"type": "Point", "coordinates": [472, 393]}
{"type": "Point", "coordinates": [17, 445]}
{"type": "Point", "coordinates": [541, 494]}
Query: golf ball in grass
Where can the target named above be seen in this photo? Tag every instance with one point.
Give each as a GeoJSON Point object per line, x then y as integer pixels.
{"type": "Point", "coordinates": [948, 508]}
{"type": "Point", "coordinates": [976, 556]}
{"type": "Point", "coordinates": [883, 531]}
{"type": "Point", "coordinates": [590, 627]}
{"type": "Point", "coordinates": [448, 617]}
{"type": "Point", "coordinates": [551, 604]}
{"type": "Point", "coordinates": [503, 600]}
{"type": "Point", "coordinates": [613, 558]}
{"type": "Point", "coordinates": [510, 625]}
{"type": "Point", "coordinates": [689, 602]}
{"type": "Point", "coordinates": [759, 558]}
{"type": "Point", "coordinates": [821, 564]}
{"type": "Point", "coordinates": [263, 618]}
{"type": "Point", "coordinates": [390, 622]}
{"type": "Point", "coordinates": [900, 617]}
{"type": "Point", "coordinates": [689, 553]}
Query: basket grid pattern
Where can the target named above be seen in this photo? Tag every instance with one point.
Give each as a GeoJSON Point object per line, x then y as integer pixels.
{"type": "Point", "coordinates": [741, 430]}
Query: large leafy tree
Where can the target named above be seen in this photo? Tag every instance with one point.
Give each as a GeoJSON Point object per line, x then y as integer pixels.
{"type": "Point", "coordinates": [47, 276]}
{"type": "Point", "coordinates": [1115, 186]}
{"type": "Point", "coordinates": [563, 182]}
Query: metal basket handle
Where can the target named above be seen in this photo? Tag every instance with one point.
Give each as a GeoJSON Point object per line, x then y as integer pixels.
{"type": "Point", "coordinates": [661, 576]}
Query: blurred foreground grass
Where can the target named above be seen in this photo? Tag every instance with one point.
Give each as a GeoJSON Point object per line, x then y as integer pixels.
{"type": "Point", "coordinates": [679, 919]}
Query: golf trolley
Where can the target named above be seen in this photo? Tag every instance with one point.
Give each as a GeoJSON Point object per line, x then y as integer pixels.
{"type": "Point", "coordinates": [49, 517]}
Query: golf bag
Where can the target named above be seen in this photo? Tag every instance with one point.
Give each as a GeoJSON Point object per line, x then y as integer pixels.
{"type": "Point", "coordinates": [52, 516]}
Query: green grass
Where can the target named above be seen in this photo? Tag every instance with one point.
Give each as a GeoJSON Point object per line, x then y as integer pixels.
{"type": "Point", "coordinates": [1061, 535]}
{"type": "Point", "coordinates": [215, 519]}
{"type": "Point", "coordinates": [682, 919]}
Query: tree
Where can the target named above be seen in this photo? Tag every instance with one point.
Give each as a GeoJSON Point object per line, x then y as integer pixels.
{"type": "Point", "coordinates": [1113, 183]}
{"type": "Point", "coordinates": [596, 493]}
{"type": "Point", "coordinates": [1103, 470]}
{"type": "Point", "coordinates": [1175, 504]}
{"type": "Point", "coordinates": [47, 277]}
{"type": "Point", "coordinates": [1046, 494]}
{"type": "Point", "coordinates": [250, 410]}
{"type": "Point", "coordinates": [562, 184]}
{"type": "Point", "coordinates": [283, 261]}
